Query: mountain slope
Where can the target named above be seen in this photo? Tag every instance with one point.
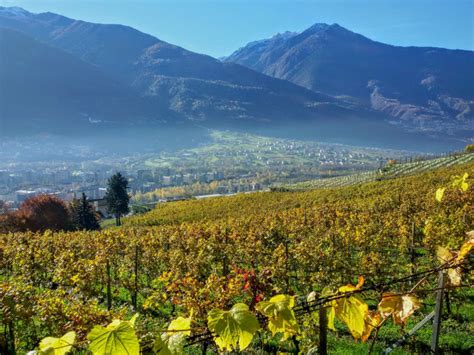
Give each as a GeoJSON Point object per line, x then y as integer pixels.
{"type": "Point", "coordinates": [43, 89]}
{"type": "Point", "coordinates": [423, 89]}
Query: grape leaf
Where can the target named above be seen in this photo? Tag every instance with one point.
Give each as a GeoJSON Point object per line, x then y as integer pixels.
{"type": "Point", "coordinates": [280, 315]}
{"type": "Point", "coordinates": [461, 182]}
{"type": "Point", "coordinates": [160, 347]}
{"type": "Point", "coordinates": [234, 327]}
{"type": "Point", "coordinates": [466, 247]}
{"type": "Point", "coordinates": [330, 307]}
{"type": "Point", "coordinates": [440, 193]}
{"type": "Point", "coordinates": [454, 274]}
{"type": "Point", "coordinates": [400, 307]}
{"type": "Point", "coordinates": [331, 314]}
{"type": "Point", "coordinates": [353, 311]}
{"type": "Point", "coordinates": [57, 346]}
{"type": "Point", "coordinates": [133, 320]}
{"type": "Point", "coordinates": [117, 338]}
{"type": "Point", "coordinates": [372, 320]}
{"type": "Point", "coordinates": [350, 288]}
{"type": "Point", "coordinates": [171, 343]}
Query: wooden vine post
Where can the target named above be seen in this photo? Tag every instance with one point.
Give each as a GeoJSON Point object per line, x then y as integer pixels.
{"type": "Point", "coordinates": [412, 247]}
{"type": "Point", "coordinates": [135, 286]}
{"type": "Point", "coordinates": [438, 312]}
{"type": "Point", "coordinates": [109, 288]}
{"type": "Point", "coordinates": [323, 331]}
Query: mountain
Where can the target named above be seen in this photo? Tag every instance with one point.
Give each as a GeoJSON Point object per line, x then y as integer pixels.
{"type": "Point", "coordinates": [421, 89]}
{"type": "Point", "coordinates": [42, 86]}
{"type": "Point", "coordinates": [197, 87]}
{"type": "Point", "coordinates": [109, 74]}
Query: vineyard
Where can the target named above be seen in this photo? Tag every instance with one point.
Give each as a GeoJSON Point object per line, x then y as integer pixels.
{"type": "Point", "coordinates": [389, 172]}
{"type": "Point", "coordinates": [265, 273]}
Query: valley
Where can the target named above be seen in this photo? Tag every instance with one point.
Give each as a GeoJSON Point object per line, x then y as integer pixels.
{"type": "Point", "coordinates": [165, 192]}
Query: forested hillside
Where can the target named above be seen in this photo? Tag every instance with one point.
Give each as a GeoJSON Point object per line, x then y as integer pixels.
{"type": "Point", "coordinates": [188, 262]}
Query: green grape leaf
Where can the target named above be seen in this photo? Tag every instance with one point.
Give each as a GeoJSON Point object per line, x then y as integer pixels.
{"type": "Point", "coordinates": [440, 193]}
{"type": "Point", "coordinates": [237, 326]}
{"type": "Point", "coordinates": [57, 346]}
{"type": "Point", "coordinates": [280, 315]}
{"type": "Point", "coordinates": [160, 347]}
{"type": "Point", "coordinates": [172, 343]}
{"type": "Point", "coordinates": [118, 338]}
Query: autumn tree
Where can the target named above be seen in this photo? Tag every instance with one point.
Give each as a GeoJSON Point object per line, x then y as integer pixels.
{"type": "Point", "coordinates": [43, 212]}
{"type": "Point", "coordinates": [83, 216]}
{"type": "Point", "coordinates": [117, 197]}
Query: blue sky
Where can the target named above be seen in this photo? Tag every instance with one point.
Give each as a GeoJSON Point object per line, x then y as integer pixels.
{"type": "Point", "coordinates": [218, 27]}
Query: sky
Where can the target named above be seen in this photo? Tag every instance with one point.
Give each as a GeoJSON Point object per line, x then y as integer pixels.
{"type": "Point", "coordinates": [218, 27]}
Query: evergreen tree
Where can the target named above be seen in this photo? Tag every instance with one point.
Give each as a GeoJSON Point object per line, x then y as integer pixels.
{"type": "Point", "coordinates": [117, 197]}
{"type": "Point", "coordinates": [83, 215]}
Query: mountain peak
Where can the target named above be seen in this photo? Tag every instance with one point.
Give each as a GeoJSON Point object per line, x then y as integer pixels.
{"type": "Point", "coordinates": [326, 28]}
{"type": "Point", "coordinates": [318, 27]}
{"type": "Point", "coordinates": [14, 11]}
{"type": "Point", "coordinates": [284, 35]}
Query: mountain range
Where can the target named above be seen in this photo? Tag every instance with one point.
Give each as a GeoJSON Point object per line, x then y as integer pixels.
{"type": "Point", "coordinates": [422, 89]}
{"type": "Point", "coordinates": [63, 75]}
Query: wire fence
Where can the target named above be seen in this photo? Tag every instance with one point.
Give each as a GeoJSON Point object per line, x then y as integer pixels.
{"type": "Point", "coordinates": [304, 307]}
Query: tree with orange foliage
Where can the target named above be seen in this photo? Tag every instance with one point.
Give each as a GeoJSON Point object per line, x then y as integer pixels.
{"type": "Point", "coordinates": [43, 212]}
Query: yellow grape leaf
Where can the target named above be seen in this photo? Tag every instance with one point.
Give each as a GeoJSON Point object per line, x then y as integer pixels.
{"type": "Point", "coordinates": [133, 320]}
{"type": "Point", "coordinates": [461, 182]}
{"type": "Point", "coordinates": [350, 288]}
{"type": "Point", "coordinates": [57, 346]}
{"type": "Point", "coordinates": [444, 255]}
{"type": "Point", "coordinates": [400, 307]}
{"type": "Point", "coordinates": [454, 274]}
{"type": "Point", "coordinates": [352, 311]}
{"type": "Point", "coordinates": [330, 307]}
{"type": "Point", "coordinates": [237, 326]}
{"type": "Point", "coordinates": [440, 193]}
{"type": "Point", "coordinates": [372, 320]}
{"type": "Point", "coordinates": [331, 316]}
{"type": "Point", "coordinates": [281, 318]}
{"type": "Point", "coordinates": [172, 342]}
{"type": "Point", "coordinates": [466, 247]}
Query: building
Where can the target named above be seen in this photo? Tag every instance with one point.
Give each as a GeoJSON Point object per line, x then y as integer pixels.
{"type": "Point", "coordinates": [100, 206]}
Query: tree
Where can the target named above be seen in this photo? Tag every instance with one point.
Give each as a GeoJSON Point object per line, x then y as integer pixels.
{"type": "Point", "coordinates": [117, 197]}
{"type": "Point", "coordinates": [469, 148]}
{"type": "Point", "coordinates": [83, 215]}
{"type": "Point", "coordinates": [43, 212]}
